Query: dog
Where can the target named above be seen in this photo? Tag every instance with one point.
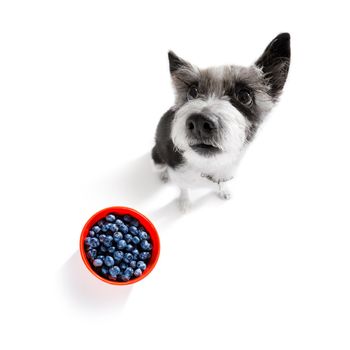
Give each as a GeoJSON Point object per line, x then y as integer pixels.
{"type": "Point", "coordinates": [217, 111]}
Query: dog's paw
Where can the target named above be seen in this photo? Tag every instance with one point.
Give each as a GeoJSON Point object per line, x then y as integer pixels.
{"type": "Point", "coordinates": [225, 194]}
{"type": "Point", "coordinates": [164, 176]}
{"type": "Point", "coordinates": [184, 204]}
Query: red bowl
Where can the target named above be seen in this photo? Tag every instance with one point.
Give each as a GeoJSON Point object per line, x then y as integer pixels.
{"type": "Point", "coordinates": [147, 224]}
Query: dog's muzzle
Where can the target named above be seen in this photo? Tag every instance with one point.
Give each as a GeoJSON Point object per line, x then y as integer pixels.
{"type": "Point", "coordinates": [203, 133]}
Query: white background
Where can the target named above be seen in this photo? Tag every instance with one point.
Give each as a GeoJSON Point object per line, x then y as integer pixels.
{"type": "Point", "coordinates": [82, 87]}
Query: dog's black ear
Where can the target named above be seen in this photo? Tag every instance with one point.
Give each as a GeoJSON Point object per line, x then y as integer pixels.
{"type": "Point", "coordinates": [175, 62]}
{"type": "Point", "coordinates": [183, 73]}
{"type": "Point", "coordinates": [274, 63]}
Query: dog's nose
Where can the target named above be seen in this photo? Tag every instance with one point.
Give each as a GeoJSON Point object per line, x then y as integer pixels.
{"type": "Point", "coordinates": [200, 125]}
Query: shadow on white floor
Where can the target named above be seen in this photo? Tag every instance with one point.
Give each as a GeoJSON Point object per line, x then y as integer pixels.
{"type": "Point", "coordinates": [134, 183]}
{"type": "Point", "coordinates": [164, 216]}
{"type": "Point", "coordinates": [84, 290]}
{"type": "Point", "coordinates": [137, 185]}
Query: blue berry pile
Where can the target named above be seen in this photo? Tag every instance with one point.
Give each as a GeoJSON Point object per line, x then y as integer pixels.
{"type": "Point", "coordinates": [118, 247]}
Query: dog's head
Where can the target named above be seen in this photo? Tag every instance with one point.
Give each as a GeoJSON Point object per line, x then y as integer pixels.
{"type": "Point", "coordinates": [219, 109]}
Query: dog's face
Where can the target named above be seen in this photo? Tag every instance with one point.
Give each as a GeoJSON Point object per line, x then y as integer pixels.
{"type": "Point", "coordinates": [219, 109]}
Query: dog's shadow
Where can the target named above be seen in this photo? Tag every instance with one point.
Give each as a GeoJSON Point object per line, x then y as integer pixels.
{"type": "Point", "coordinates": [135, 184]}
{"type": "Point", "coordinates": [132, 184]}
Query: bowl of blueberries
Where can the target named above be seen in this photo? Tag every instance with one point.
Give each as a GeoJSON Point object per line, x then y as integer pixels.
{"type": "Point", "coordinates": [119, 245]}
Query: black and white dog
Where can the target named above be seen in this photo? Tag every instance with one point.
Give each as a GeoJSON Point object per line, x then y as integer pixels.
{"type": "Point", "coordinates": [200, 140]}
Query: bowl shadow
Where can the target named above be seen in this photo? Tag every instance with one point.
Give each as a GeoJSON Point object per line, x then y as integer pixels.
{"type": "Point", "coordinates": [86, 291]}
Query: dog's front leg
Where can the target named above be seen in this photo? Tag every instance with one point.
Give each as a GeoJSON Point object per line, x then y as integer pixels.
{"type": "Point", "coordinates": [224, 191]}
{"type": "Point", "coordinates": [184, 200]}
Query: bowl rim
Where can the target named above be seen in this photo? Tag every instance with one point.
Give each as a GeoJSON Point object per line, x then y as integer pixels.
{"type": "Point", "coordinates": [144, 221]}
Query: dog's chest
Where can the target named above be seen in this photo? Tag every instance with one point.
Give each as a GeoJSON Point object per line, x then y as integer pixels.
{"type": "Point", "coordinates": [203, 173]}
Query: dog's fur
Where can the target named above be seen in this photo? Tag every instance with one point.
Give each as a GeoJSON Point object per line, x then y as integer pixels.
{"type": "Point", "coordinates": [200, 140]}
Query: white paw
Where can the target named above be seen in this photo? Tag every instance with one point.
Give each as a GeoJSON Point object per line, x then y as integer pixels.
{"type": "Point", "coordinates": [184, 204]}
{"type": "Point", "coordinates": [225, 194]}
{"type": "Point", "coordinates": [164, 176]}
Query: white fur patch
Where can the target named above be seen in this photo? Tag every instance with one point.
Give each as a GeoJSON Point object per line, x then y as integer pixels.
{"type": "Point", "coordinates": [221, 165]}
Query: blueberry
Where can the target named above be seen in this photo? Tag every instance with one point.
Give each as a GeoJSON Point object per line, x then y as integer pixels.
{"type": "Point", "coordinates": [109, 261]}
{"type": "Point", "coordinates": [135, 251]}
{"type": "Point", "coordinates": [129, 271]}
{"type": "Point", "coordinates": [101, 223]}
{"type": "Point", "coordinates": [108, 241]}
{"type": "Point", "coordinates": [141, 265]}
{"type": "Point", "coordinates": [128, 257]}
{"type": "Point", "coordinates": [102, 237]}
{"type": "Point", "coordinates": [113, 228]}
{"type": "Point", "coordinates": [87, 241]}
{"type": "Point", "coordinates": [102, 257]}
{"type": "Point", "coordinates": [117, 236]}
{"type": "Point", "coordinates": [134, 222]}
{"type": "Point", "coordinates": [129, 247]}
{"type": "Point", "coordinates": [97, 262]}
{"type": "Point", "coordinates": [118, 222]}
{"type": "Point", "coordinates": [123, 229]}
{"type": "Point", "coordinates": [145, 245]}
{"type": "Point", "coordinates": [123, 266]}
{"type": "Point", "coordinates": [136, 240]}
{"type": "Point", "coordinates": [137, 272]}
{"type": "Point", "coordinates": [133, 230]}
{"type": "Point", "coordinates": [114, 271]}
{"type": "Point", "coordinates": [104, 228]}
{"type": "Point", "coordinates": [118, 255]}
{"type": "Point", "coordinates": [144, 255]}
{"type": "Point", "coordinates": [94, 243]}
{"type": "Point", "coordinates": [127, 218]}
{"type": "Point", "coordinates": [133, 264]}
{"type": "Point", "coordinates": [135, 254]}
{"type": "Point", "coordinates": [91, 254]}
{"type": "Point", "coordinates": [121, 244]}
{"type": "Point", "coordinates": [96, 229]}
{"type": "Point", "coordinates": [128, 238]}
{"type": "Point", "coordinates": [104, 270]}
{"type": "Point", "coordinates": [111, 250]}
{"type": "Point", "coordinates": [125, 278]}
{"type": "Point", "coordinates": [143, 235]}
{"type": "Point", "coordinates": [110, 218]}
{"type": "Point", "coordinates": [103, 249]}
{"type": "Point", "coordinates": [92, 233]}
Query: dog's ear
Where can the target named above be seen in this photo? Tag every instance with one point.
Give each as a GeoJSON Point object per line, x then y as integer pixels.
{"type": "Point", "coordinates": [182, 72]}
{"type": "Point", "coordinates": [274, 63]}
{"type": "Point", "coordinates": [175, 62]}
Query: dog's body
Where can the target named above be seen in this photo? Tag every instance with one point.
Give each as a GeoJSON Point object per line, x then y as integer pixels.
{"type": "Point", "coordinates": [200, 140]}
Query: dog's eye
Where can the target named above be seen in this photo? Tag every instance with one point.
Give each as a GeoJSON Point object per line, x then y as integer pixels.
{"type": "Point", "coordinates": [192, 93]}
{"type": "Point", "coordinates": [244, 96]}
